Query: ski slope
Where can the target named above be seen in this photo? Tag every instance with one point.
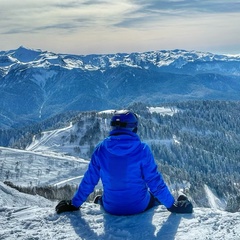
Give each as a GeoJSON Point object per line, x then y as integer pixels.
{"type": "Point", "coordinates": [50, 140]}
{"type": "Point", "coordinates": [28, 168]}
{"type": "Point", "coordinates": [25, 217]}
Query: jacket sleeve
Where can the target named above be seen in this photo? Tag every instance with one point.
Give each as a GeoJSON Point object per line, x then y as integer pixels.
{"type": "Point", "coordinates": [88, 183]}
{"type": "Point", "coordinates": [154, 179]}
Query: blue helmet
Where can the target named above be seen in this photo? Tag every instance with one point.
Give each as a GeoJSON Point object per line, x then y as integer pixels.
{"type": "Point", "coordinates": [125, 119]}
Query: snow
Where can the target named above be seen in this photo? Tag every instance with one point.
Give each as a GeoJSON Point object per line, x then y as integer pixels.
{"type": "Point", "coordinates": [213, 200]}
{"type": "Point", "coordinates": [27, 168]}
{"type": "Point", "coordinates": [68, 180]}
{"type": "Point", "coordinates": [110, 111]}
{"type": "Point", "coordinates": [32, 217]}
{"type": "Point", "coordinates": [163, 110]}
{"type": "Point", "coordinates": [52, 142]}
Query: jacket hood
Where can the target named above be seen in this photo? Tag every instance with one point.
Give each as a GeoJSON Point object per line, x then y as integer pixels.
{"type": "Point", "coordinates": [122, 142]}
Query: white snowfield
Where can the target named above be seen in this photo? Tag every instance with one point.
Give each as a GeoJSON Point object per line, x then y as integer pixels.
{"type": "Point", "coordinates": [28, 168]}
{"type": "Point", "coordinates": [26, 217]}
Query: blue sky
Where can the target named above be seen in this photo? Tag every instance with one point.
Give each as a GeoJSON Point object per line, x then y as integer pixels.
{"type": "Point", "coordinates": [109, 26]}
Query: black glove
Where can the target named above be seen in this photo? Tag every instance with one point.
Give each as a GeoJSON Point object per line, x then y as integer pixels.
{"type": "Point", "coordinates": [182, 198]}
{"type": "Point", "coordinates": [65, 206]}
{"type": "Point", "coordinates": [182, 205]}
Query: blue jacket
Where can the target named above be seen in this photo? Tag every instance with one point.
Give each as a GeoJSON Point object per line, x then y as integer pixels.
{"type": "Point", "coordinates": [128, 172]}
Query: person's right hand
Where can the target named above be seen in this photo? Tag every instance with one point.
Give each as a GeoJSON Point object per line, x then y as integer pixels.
{"type": "Point", "coordinates": [182, 205]}
{"type": "Point", "coordinates": [65, 206]}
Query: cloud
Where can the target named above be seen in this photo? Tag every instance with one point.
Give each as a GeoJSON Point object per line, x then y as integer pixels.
{"type": "Point", "coordinates": [188, 6]}
{"type": "Point", "coordinates": [167, 10]}
{"type": "Point", "coordinates": [31, 16]}
{"type": "Point", "coordinates": [115, 25]}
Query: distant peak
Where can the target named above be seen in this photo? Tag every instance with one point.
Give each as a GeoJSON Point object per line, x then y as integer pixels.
{"type": "Point", "coordinates": [23, 48]}
{"type": "Point", "coordinates": [24, 54]}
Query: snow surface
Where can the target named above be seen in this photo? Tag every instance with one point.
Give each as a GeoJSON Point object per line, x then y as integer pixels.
{"type": "Point", "coordinates": [49, 140]}
{"type": "Point", "coordinates": [25, 217]}
{"type": "Point", "coordinates": [163, 110]}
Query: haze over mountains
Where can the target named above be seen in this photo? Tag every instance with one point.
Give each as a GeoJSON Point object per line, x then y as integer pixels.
{"type": "Point", "coordinates": [36, 84]}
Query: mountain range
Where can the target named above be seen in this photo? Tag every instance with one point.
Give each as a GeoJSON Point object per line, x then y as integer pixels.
{"type": "Point", "coordinates": [36, 84]}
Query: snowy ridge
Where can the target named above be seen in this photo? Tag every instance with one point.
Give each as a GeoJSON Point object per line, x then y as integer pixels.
{"type": "Point", "coordinates": [32, 217]}
{"type": "Point", "coordinates": [175, 58]}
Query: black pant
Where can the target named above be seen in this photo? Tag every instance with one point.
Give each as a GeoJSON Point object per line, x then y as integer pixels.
{"type": "Point", "coordinates": [152, 202]}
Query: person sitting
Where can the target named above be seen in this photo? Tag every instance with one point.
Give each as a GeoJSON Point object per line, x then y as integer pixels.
{"type": "Point", "coordinates": [131, 182]}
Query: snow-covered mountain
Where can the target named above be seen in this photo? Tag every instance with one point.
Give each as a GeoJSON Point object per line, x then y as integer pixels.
{"type": "Point", "coordinates": [36, 84]}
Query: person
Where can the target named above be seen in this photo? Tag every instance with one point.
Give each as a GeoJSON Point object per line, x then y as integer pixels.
{"type": "Point", "coordinates": [126, 166]}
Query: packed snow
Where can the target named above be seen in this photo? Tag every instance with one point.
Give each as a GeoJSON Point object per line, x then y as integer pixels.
{"type": "Point", "coordinates": [24, 217]}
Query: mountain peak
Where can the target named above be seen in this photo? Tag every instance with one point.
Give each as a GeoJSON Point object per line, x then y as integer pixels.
{"type": "Point", "coordinates": [23, 54]}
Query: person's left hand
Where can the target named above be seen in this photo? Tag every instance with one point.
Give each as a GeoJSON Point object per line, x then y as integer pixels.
{"type": "Point", "coordinates": [182, 205]}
